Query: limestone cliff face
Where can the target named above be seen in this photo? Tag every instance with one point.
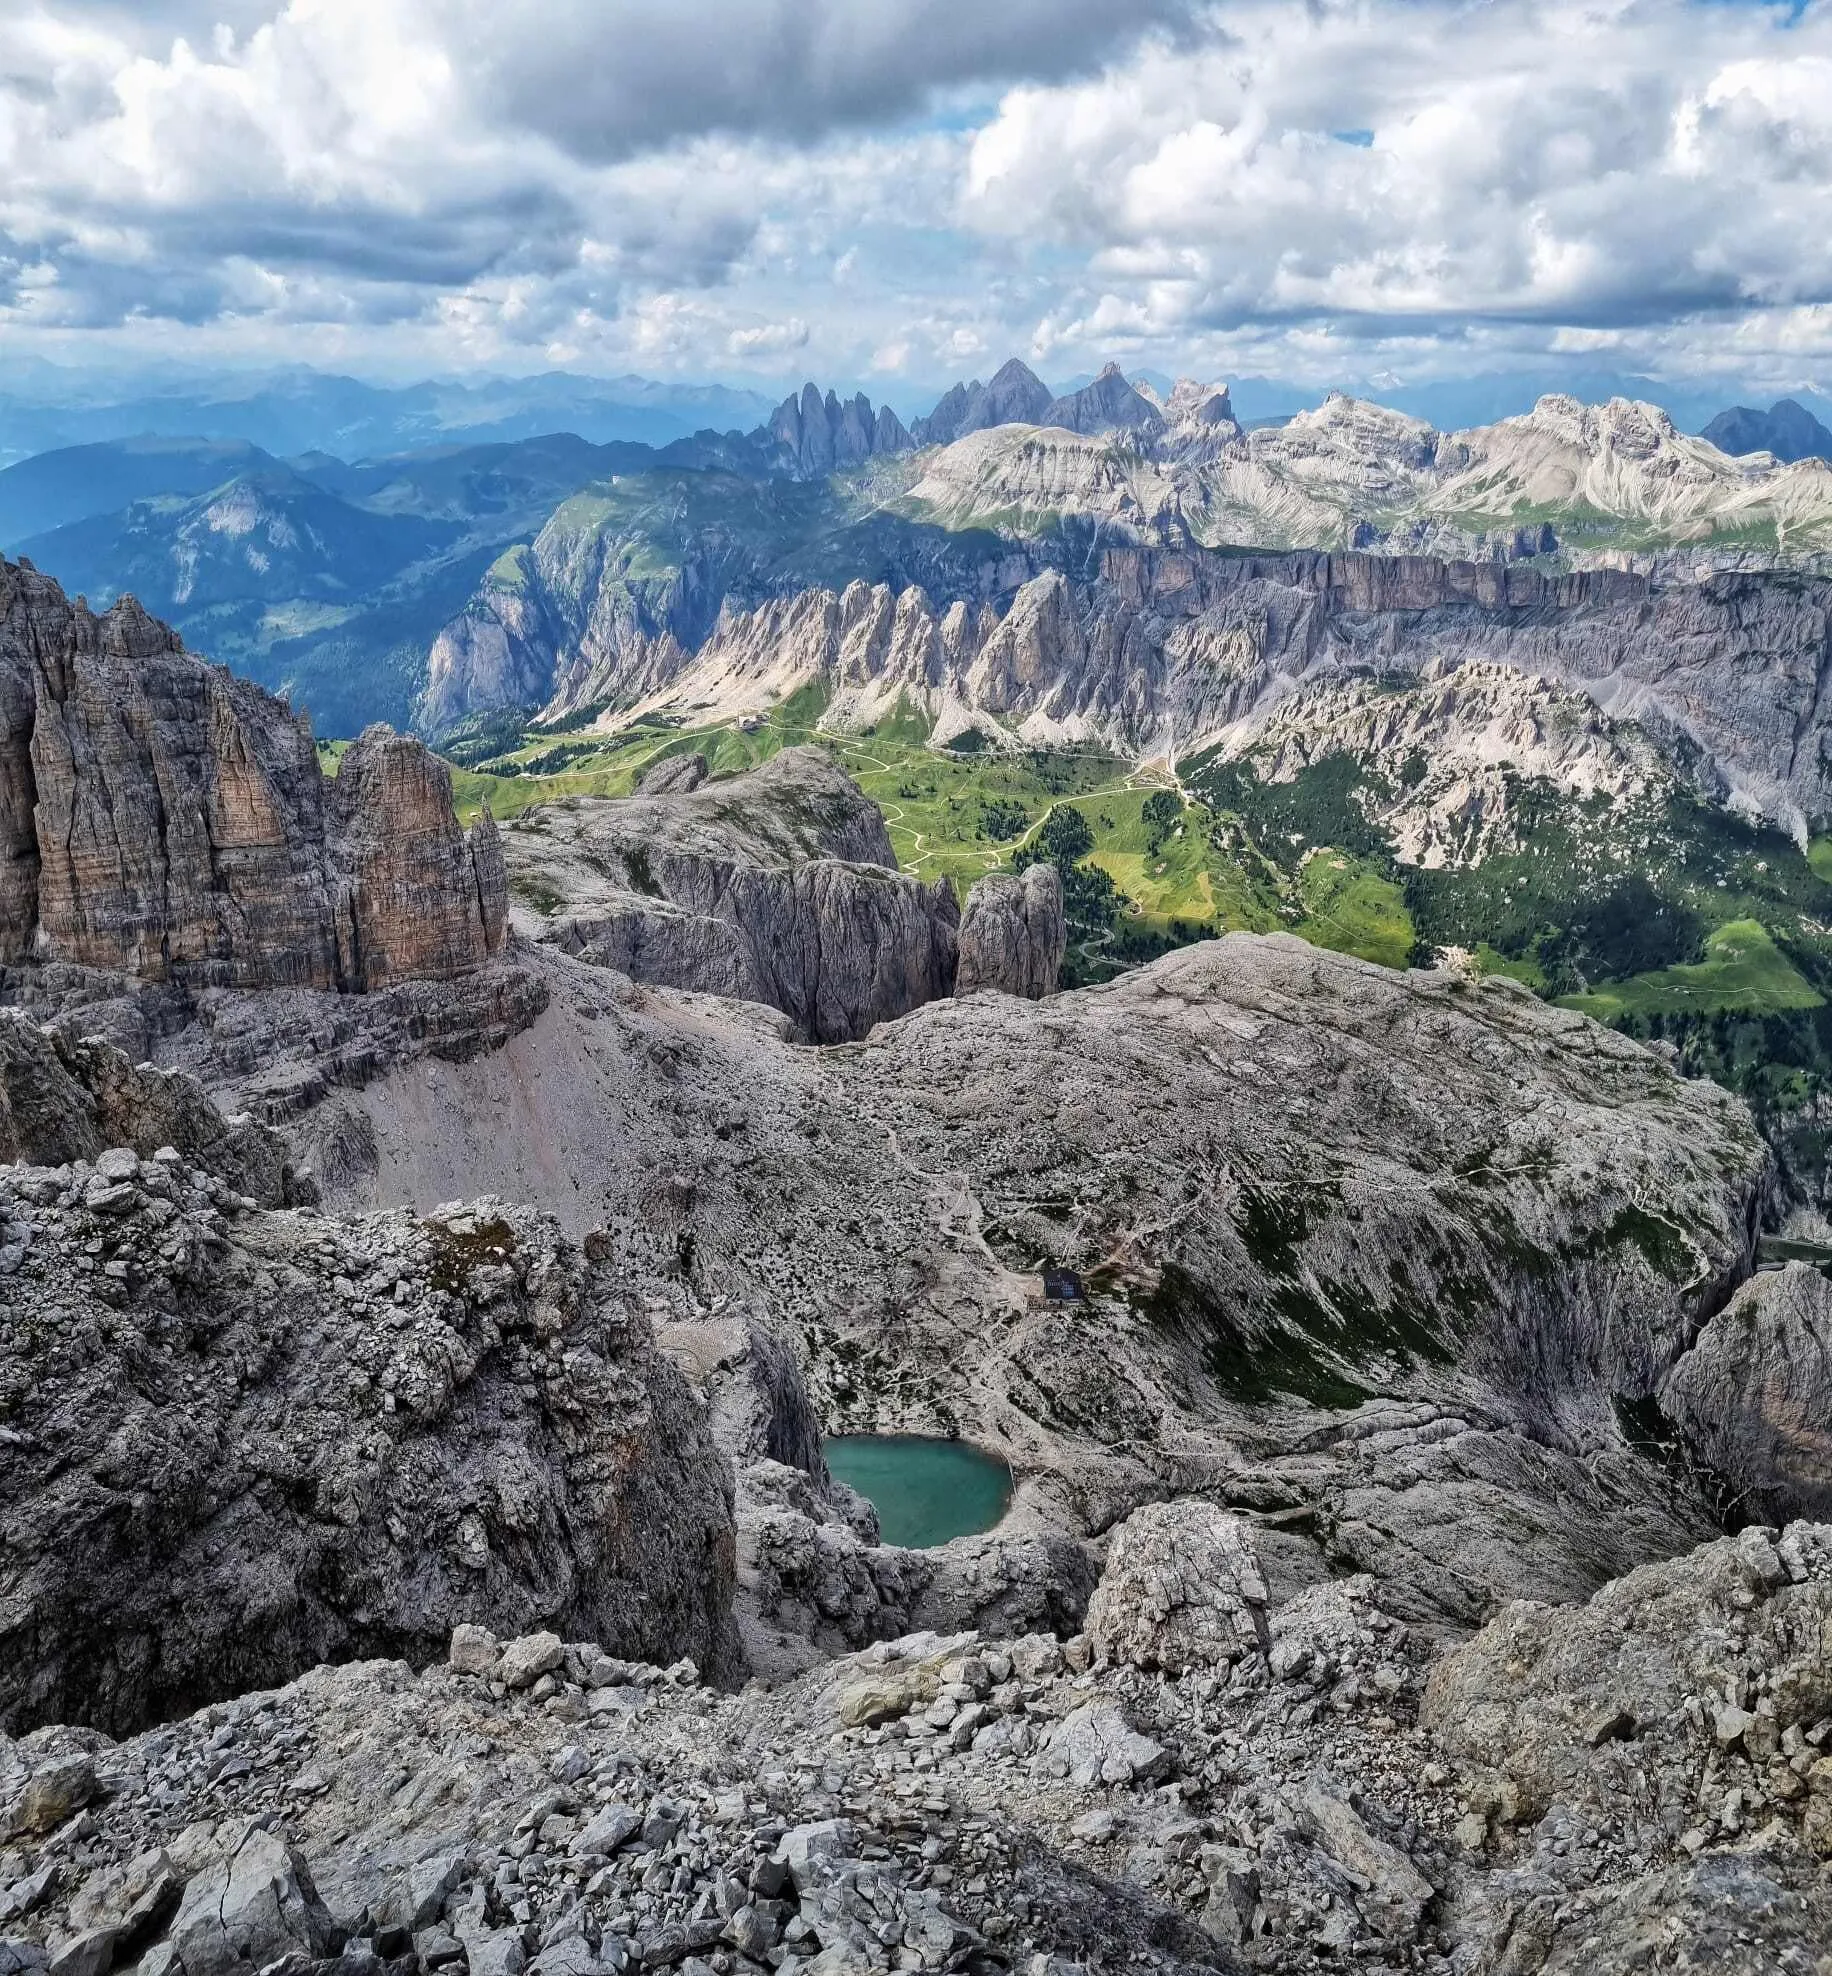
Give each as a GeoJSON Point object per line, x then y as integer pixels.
{"type": "Point", "coordinates": [779, 886]}
{"type": "Point", "coordinates": [163, 820]}
{"type": "Point", "coordinates": [1013, 934]}
{"type": "Point", "coordinates": [1144, 650]}
{"type": "Point", "coordinates": [495, 653]}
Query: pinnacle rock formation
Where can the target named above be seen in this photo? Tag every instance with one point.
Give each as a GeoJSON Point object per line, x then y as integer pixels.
{"type": "Point", "coordinates": [163, 820]}
{"type": "Point", "coordinates": [1013, 934]}
{"type": "Point", "coordinates": [418, 899]}
{"type": "Point", "coordinates": [818, 435]}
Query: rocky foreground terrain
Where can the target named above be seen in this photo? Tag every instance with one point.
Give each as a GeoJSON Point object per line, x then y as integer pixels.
{"type": "Point", "coordinates": [417, 1550]}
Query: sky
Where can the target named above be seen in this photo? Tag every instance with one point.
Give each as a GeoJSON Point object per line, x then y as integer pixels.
{"type": "Point", "coordinates": [891, 194]}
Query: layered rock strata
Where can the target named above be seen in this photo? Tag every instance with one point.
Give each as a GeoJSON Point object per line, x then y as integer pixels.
{"type": "Point", "coordinates": [1151, 649]}
{"type": "Point", "coordinates": [163, 820]}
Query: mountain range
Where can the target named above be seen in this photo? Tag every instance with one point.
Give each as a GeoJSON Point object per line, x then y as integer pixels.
{"type": "Point", "coordinates": [46, 408]}
{"type": "Point", "coordinates": [383, 588]}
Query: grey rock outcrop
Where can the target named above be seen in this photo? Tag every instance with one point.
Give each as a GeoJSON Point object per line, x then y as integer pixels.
{"type": "Point", "coordinates": [1752, 1399]}
{"type": "Point", "coordinates": [1183, 1588]}
{"type": "Point", "coordinates": [673, 775]}
{"type": "Point", "coordinates": [778, 886]}
{"type": "Point", "coordinates": [1013, 934]}
{"type": "Point", "coordinates": [63, 1101]}
{"type": "Point", "coordinates": [165, 821]}
{"type": "Point", "coordinates": [1553, 1702]}
{"type": "Point", "coordinates": [616, 1813]}
{"type": "Point", "coordinates": [253, 1909]}
{"type": "Point", "coordinates": [239, 1443]}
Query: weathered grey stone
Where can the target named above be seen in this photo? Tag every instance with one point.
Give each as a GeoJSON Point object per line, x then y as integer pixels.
{"type": "Point", "coordinates": [1182, 1588]}
{"type": "Point", "coordinates": [89, 1954]}
{"type": "Point", "coordinates": [52, 1793]}
{"type": "Point", "coordinates": [524, 1661]}
{"type": "Point", "coordinates": [608, 1830]}
{"type": "Point", "coordinates": [1753, 1397]}
{"type": "Point", "coordinates": [1748, 1615]}
{"type": "Point", "coordinates": [477, 1421]}
{"type": "Point", "coordinates": [474, 1650]}
{"type": "Point", "coordinates": [1396, 1894]}
{"type": "Point", "coordinates": [1095, 1744]}
{"type": "Point", "coordinates": [810, 1852]}
{"type": "Point", "coordinates": [255, 1907]}
{"type": "Point", "coordinates": [1013, 934]}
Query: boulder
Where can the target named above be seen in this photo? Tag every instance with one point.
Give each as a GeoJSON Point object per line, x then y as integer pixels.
{"type": "Point", "coordinates": [1393, 1893]}
{"type": "Point", "coordinates": [1183, 1588]}
{"type": "Point", "coordinates": [53, 1792]}
{"type": "Point", "coordinates": [524, 1661]}
{"type": "Point", "coordinates": [252, 1909]}
{"type": "Point", "coordinates": [1095, 1744]}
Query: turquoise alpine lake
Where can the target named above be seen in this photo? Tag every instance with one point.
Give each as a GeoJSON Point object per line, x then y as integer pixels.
{"type": "Point", "coordinates": [924, 1490]}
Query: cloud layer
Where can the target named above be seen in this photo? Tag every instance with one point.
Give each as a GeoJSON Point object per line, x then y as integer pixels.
{"type": "Point", "coordinates": [906, 189]}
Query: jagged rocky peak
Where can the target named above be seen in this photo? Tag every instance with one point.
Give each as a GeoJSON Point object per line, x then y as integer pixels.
{"type": "Point", "coordinates": [1787, 431]}
{"type": "Point", "coordinates": [1355, 430]}
{"type": "Point", "coordinates": [819, 434]}
{"type": "Point", "coordinates": [1016, 395]}
{"type": "Point", "coordinates": [1109, 404]}
{"type": "Point", "coordinates": [1192, 403]}
{"type": "Point", "coordinates": [163, 820]}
